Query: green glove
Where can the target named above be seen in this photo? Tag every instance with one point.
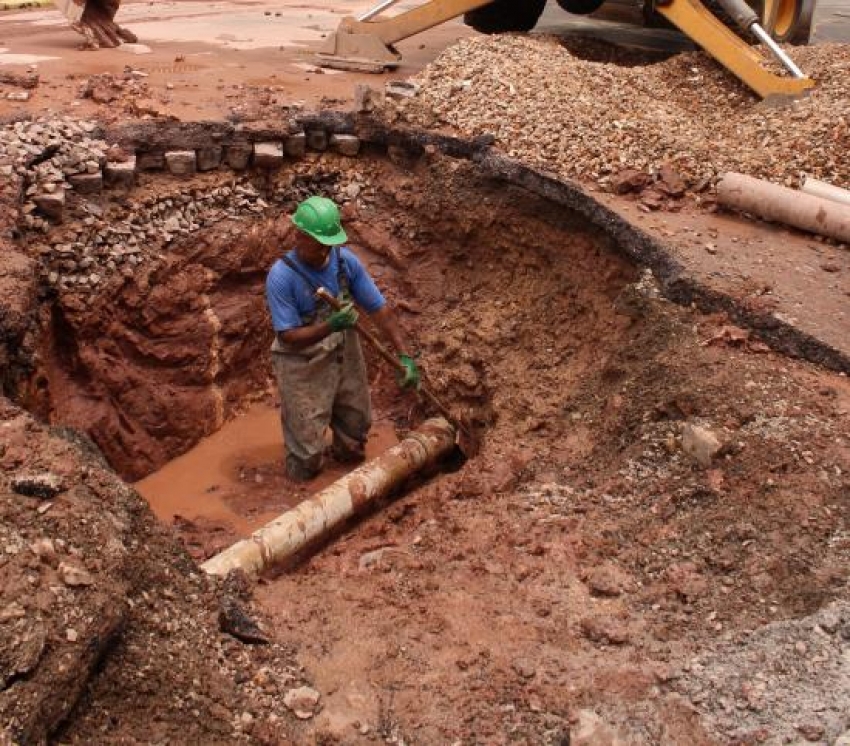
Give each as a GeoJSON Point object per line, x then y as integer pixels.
{"type": "Point", "coordinates": [344, 318]}
{"type": "Point", "coordinates": [409, 379]}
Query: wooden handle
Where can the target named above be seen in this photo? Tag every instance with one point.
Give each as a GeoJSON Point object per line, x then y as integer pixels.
{"type": "Point", "coordinates": [393, 360]}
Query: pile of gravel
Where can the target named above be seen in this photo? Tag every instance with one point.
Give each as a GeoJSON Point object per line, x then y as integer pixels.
{"type": "Point", "coordinates": [592, 120]}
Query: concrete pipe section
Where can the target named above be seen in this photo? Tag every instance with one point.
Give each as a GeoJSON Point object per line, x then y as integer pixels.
{"type": "Point", "coordinates": [287, 534]}
{"type": "Point", "coordinates": [783, 205]}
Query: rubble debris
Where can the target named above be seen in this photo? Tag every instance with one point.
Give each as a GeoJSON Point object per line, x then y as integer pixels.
{"type": "Point", "coordinates": [700, 443]}
{"type": "Point", "coordinates": [74, 576]}
{"type": "Point", "coordinates": [44, 485]}
{"type": "Point", "coordinates": [234, 620]}
{"type": "Point", "coordinates": [26, 80]}
{"type": "Point", "coordinates": [303, 701]}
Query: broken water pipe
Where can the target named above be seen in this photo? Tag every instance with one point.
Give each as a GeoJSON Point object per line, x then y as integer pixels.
{"type": "Point", "coordinates": [316, 517]}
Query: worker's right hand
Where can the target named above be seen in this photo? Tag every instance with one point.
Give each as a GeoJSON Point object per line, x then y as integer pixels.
{"type": "Point", "coordinates": [344, 318]}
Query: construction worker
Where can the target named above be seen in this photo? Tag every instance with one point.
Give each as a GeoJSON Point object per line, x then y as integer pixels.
{"type": "Point", "coordinates": [316, 354]}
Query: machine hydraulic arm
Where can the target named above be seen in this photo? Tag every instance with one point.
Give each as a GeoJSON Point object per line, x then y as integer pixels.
{"type": "Point", "coordinates": [367, 43]}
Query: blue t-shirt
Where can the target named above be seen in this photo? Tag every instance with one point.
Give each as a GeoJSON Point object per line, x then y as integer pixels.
{"type": "Point", "coordinates": [290, 299]}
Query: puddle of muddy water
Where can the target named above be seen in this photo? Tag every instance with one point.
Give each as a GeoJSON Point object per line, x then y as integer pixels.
{"type": "Point", "coordinates": [234, 479]}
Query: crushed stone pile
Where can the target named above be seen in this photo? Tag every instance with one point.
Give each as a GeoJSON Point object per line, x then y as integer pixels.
{"type": "Point", "coordinates": [592, 120]}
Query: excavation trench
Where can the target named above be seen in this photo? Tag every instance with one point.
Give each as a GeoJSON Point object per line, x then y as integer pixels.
{"type": "Point", "coordinates": [597, 542]}
{"type": "Point", "coordinates": [166, 366]}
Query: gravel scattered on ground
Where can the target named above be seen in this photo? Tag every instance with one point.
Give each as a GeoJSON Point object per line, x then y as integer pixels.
{"type": "Point", "coordinates": [786, 682]}
{"type": "Point", "coordinates": [590, 120]}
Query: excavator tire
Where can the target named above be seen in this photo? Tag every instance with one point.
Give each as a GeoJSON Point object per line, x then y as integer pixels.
{"type": "Point", "coordinates": [502, 16]}
{"type": "Point", "coordinates": [580, 7]}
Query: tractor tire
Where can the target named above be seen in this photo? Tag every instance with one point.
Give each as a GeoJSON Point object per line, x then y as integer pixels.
{"type": "Point", "coordinates": [502, 16]}
{"type": "Point", "coordinates": [580, 7]}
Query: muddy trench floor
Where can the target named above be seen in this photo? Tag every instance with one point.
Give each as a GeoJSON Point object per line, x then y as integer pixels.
{"type": "Point", "coordinates": [583, 561]}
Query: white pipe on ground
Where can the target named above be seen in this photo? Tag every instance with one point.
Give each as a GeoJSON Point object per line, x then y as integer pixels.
{"type": "Point", "coordinates": [818, 188]}
{"type": "Point", "coordinates": [292, 531]}
{"type": "Point", "coordinates": [780, 204]}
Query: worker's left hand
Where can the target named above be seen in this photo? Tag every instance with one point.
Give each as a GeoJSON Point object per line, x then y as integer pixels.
{"type": "Point", "coordinates": [410, 377]}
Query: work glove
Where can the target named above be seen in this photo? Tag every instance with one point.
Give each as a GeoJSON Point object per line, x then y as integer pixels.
{"type": "Point", "coordinates": [410, 377]}
{"type": "Point", "coordinates": [344, 318]}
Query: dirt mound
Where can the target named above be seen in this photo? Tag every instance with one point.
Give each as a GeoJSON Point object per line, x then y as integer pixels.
{"type": "Point", "coordinates": [590, 121]}
{"type": "Point", "coordinates": [90, 582]}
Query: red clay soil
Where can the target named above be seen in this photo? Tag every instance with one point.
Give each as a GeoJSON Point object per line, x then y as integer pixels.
{"type": "Point", "coordinates": [576, 564]}
{"type": "Point", "coordinates": [582, 557]}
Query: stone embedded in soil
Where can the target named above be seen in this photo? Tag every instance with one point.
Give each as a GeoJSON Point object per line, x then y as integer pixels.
{"type": "Point", "coordinates": [524, 668]}
{"type": "Point", "coordinates": [604, 629]}
{"type": "Point", "coordinates": [74, 576]}
{"type": "Point", "coordinates": [700, 443]}
{"type": "Point", "coordinates": [296, 145]}
{"type": "Point", "coordinates": [86, 183]}
{"type": "Point", "coordinates": [592, 730]}
{"type": "Point", "coordinates": [317, 139]}
{"type": "Point", "coordinates": [238, 155]}
{"type": "Point", "coordinates": [122, 175]}
{"type": "Point", "coordinates": [209, 158]}
{"type": "Point", "coordinates": [302, 701]}
{"type": "Point", "coordinates": [150, 161]}
{"type": "Point", "coordinates": [346, 144]}
{"type": "Point", "coordinates": [52, 204]}
{"type": "Point", "coordinates": [268, 155]}
{"type": "Point", "coordinates": [608, 580]}
{"type": "Point", "coordinates": [181, 162]}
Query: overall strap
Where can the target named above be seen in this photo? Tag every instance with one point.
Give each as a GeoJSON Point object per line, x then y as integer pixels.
{"type": "Point", "coordinates": [342, 274]}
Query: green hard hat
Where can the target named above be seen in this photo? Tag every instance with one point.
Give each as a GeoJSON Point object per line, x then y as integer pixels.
{"type": "Point", "coordinates": [319, 217]}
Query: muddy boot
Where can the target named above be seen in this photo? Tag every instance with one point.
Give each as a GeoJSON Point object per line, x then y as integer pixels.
{"type": "Point", "coordinates": [350, 452]}
{"type": "Point", "coordinates": [303, 471]}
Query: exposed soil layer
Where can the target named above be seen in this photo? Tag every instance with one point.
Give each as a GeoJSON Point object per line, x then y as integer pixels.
{"type": "Point", "coordinates": [573, 567]}
{"type": "Point", "coordinates": [583, 557]}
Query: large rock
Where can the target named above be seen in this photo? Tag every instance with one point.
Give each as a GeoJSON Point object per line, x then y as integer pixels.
{"type": "Point", "coordinates": [86, 183]}
{"type": "Point", "coordinates": [317, 139]}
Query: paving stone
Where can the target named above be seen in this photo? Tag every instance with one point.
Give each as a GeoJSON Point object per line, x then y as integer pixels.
{"type": "Point", "coordinates": [268, 155]}
{"type": "Point", "coordinates": [317, 139]}
{"type": "Point", "coordinates": [181, 162]}
{"type": "Point", "coordinates": [86, 183]}
{"type": "Point", "coordinates": [238, 155]}
{"type": "Point", "coordinates": [346, 144]}
{"type": "Point", "coordinates": [209, 158]}
{"type": "Point", "coordinates": [150, 161]}
{"type": "Point", "coordinates": [296, 145]}
{"type": "Point", "coordinates": [121, 174]}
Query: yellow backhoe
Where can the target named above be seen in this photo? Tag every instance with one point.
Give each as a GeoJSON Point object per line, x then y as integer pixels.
{"type": "Point", "coordinates": [366, 43]}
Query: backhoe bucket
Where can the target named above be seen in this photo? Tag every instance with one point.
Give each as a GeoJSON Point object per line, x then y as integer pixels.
{"type": "Point", "coordinates": [346, 49]}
